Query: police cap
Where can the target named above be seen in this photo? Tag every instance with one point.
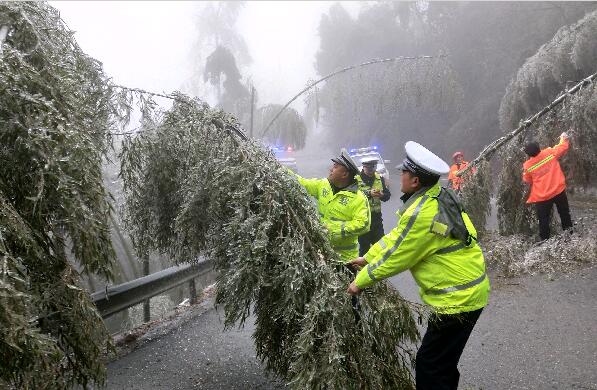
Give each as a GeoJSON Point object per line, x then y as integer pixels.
{"type": "Point", "coordinates": [346, 161]}
{"type": "Point", "coordinates": [369, 161]}
{"type": "Point", "coordinates": [422, 162]}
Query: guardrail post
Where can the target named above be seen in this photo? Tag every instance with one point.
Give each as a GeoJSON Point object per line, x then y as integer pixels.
{"type": "Point", "coordinates": [114, 299]}
{"type": "Point", "coordinates": [146, 307]}
{"type": "Point", "coordinates": [192, 291]}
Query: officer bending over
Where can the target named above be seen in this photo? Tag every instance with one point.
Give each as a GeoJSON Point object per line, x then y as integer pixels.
{"type": "Point", "coordinates": [436, 241]}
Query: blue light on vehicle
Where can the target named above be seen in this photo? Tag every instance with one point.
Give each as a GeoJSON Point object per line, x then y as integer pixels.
{"type": "Point", "coordinates": [352, 150]}
{"type": "Point", "coordinates": [375, 147]}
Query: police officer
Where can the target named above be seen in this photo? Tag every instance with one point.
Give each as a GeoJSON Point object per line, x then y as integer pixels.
{"type": "Point", "coordinates": [343, 209]}
{"type": "Point", "coordinates": [436, 241]}
{"type": "Point", "coordinates": [373, 185]}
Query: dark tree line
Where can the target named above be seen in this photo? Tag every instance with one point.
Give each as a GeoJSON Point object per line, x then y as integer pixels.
{"type": "Point", "coordinates": [485, 43]}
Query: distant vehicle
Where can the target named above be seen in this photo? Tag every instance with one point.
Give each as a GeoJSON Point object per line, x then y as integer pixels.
{"type": "Point", "coordinates": [289, 162]}
{"type": "Point", "coordinates": [363, 154]}
{"type": "Point", "coordinates": [283, 156]}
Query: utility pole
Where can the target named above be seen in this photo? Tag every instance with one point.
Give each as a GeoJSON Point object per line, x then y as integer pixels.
{"type": "Point", "coordinates": [252, 110]}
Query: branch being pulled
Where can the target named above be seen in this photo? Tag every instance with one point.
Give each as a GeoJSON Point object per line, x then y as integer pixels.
{"type": "Point", "coordinates": [490, 149]}
{"type": "Point", "coordinates": [311, 85]}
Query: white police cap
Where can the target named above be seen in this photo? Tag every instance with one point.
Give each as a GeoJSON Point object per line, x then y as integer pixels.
{"type": "Point", "coordinates": [420, 160]}
{"type": "Point", "coordinates": [369, 160]}
{"type": "Point", "coordinates": [346, 161]}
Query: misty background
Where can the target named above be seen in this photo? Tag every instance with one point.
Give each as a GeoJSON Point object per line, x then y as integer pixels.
{"type": "Point", "coordinates": [220, 51]}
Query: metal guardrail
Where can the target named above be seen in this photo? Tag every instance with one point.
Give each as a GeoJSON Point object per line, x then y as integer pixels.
{"type": "Point", "coordinates": [122, 296]}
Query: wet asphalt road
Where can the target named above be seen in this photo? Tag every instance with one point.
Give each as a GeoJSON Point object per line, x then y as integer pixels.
{"type": "Point", "coordinates": [536, 333]}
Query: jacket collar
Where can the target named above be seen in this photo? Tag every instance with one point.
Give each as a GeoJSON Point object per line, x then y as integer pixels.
{"type": "Point", "coordinates": [352, 187]}
{"type": "Point", "coordinates": [409, 199]}
{"type": "Point", "coordinates": [369, 180]}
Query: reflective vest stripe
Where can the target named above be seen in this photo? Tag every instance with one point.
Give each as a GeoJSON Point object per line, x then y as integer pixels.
{"type": "Point", "coordinates": [370, 273]}
{"type": "Point", "coordinates": [407, 228]}
{"type": "Point", "coordinates": [451, 249]}
{"type": "Point", "coordinates": [342, 232]}
{"type": "Point", "coordinates": [382, 244]}
{"type": "Point", "coordinates": [345, 248]}
{"type": "Point", "coordinates": [540, 163]}
{"type": "Point", "coordinates": [457, 288]}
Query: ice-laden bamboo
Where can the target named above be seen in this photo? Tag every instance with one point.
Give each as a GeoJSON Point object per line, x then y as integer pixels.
{"type": "Point", "coordinates": [513, 215]}
{"type": "Point", "coordinates": [56, 107]}
{"type": "Point", "coordinates": [195, 187]}
{"type": "Point", "coordinates": [570, 55]}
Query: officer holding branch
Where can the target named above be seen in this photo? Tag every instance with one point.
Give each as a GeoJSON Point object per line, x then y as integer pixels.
{"type": "Point", "coordinates": [437, 242]}
{"type": "Point", "coordinates": [343, 209]}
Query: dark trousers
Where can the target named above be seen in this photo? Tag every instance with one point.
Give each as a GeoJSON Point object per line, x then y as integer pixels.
{"type": "Point", "coordinates": [544, 213]}
{"type": "Point", "coordinates": [443, 343]}
{"type": "Point", "coordinates": [372, 236]}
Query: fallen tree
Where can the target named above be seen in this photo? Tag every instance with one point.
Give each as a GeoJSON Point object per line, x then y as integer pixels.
{"type": "Point", "coordinates": [195, 187]}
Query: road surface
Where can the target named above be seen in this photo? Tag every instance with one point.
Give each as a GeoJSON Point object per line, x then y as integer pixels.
{"type": "Point", "coordinates": [536, 333]}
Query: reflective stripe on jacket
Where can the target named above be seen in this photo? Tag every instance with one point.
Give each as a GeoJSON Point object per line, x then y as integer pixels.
{"type": "Point", "coordinates": [544, 174]}
{"type": "Point", "coordinates": [374, 203]}
{"type": "Point", "coordinates": [345, 214]}
{"type": "Point", "coordinates": [450, 275]}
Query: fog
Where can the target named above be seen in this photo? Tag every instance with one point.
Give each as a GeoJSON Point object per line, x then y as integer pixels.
{"type": "Point", "coordinates": [149, 44]}
{"type": "Point", "coordinates": [449, 102]}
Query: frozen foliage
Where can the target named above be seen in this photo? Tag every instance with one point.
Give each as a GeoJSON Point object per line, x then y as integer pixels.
{"type": "Point", "coordinates": [486, 43]}
{"type": "Point", "coordinates": [517, 254]}
{"type": "Point", "coordinates": [572, 54]}
{"type": "Point", "coordinates": [393, 102]}
{"type": "Point", "coordinates": [194, 186]}
{"type": "Point", "coordinates": [288, 129]}
{"type": "Point", "coordinates": [569, 56]}
{"type": "Point", "coordinates": [476, 195]}
{"type": "Point", "coordinates": [55, 112]}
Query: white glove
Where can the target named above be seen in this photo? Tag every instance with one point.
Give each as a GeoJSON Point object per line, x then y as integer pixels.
{"type": "Point", "coordinates": [564, 135]}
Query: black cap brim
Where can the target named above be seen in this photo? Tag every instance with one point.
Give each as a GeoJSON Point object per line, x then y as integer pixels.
{"type": "Point", "coordinates": [404, 167]}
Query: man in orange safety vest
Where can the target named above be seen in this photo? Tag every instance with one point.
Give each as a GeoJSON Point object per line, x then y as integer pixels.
{"type": "Point", "coordinates": [455, 181]}
{"type": "Point", "coordinates": [548, 184]}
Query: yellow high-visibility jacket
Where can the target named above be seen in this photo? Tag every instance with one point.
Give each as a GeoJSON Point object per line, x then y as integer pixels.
{"type": "Point", "coordinates": [345, 214]}
{"type": "Point", "coordinates": [374, 203]}
{"type": "Point", "coordinates": [451, 275]}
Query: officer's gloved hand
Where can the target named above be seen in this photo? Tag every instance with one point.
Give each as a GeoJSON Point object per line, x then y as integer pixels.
{"type": "Point", "coordinates": [564, 135]}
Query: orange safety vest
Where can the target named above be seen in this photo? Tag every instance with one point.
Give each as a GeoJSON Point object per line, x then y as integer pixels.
{"type": "Point", "coordinates": [544, 174]}
{"type": "Point", "coordinates": [457, 181]}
